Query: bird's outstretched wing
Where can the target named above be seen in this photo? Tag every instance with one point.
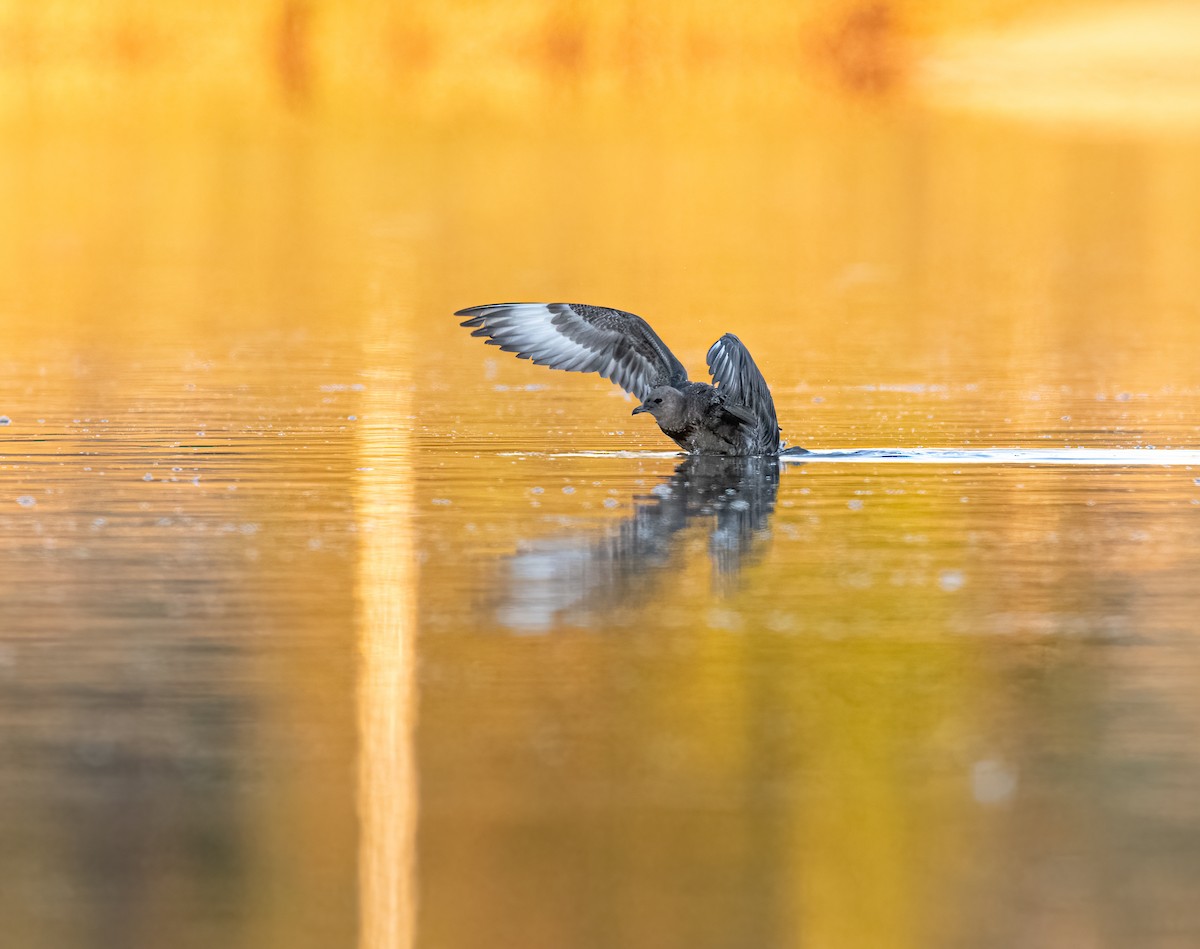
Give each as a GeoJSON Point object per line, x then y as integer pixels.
{"type": "Point", "coordinates": [580, 338]}
{"type": "Point", "coordinates": [738, 378]}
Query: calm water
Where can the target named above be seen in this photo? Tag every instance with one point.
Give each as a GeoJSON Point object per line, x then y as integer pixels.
{"type": "Point", "coordinates": [325, 625]}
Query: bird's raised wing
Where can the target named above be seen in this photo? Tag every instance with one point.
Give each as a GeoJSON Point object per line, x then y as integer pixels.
{"type": "Point", "coordinates": [735, 374]}
{"type": "Point", "coordinates": [580, 338]}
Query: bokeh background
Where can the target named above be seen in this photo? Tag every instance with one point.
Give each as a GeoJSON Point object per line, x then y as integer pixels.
{"type": "Point", "coordinates": [257, 488]}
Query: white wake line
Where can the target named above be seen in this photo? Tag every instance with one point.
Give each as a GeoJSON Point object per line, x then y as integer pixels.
{"type": "Point", "coordinates": [1161, 457]}
{"type": "Point", "coordinates": [1097, 457]}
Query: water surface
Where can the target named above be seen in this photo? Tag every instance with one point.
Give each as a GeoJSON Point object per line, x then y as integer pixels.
{"type": "Point", "coordinates": [324, 625]}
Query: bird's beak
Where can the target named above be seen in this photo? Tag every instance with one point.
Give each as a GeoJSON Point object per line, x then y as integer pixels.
{"type": "Point", "coordinates": [639, 409]}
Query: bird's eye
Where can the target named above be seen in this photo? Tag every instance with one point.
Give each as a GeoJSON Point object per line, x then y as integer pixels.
{"type": "Point", "coordinates": [658, 401]}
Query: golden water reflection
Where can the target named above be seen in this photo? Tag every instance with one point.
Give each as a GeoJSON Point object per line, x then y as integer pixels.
{"type": "Point", "coordinates": [271, 523]}
{"type": "Point", "coordinates": [387, 767]}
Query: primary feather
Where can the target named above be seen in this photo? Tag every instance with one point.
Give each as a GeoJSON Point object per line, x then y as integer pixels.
{"type": "Point", "coordinates": [579, 338]}
{"type": "Point", "coordinates": [735, 374]}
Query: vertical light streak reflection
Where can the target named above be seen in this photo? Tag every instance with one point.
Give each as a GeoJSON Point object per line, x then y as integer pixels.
{"type": "Point", "coordinates": [387, 782]}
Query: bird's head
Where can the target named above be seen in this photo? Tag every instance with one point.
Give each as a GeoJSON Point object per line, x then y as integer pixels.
{"type": "Point", "coordinates": [665, 403]}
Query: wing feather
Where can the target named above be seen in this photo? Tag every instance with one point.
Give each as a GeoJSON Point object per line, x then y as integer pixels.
{"type": "Point", "coordinates": [735, 374]}
{"type": "Point", "coordinates": [576, 337]}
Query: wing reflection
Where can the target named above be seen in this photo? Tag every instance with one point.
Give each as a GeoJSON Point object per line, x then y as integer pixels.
{"type": "Point", "coordinates": [589, 579]}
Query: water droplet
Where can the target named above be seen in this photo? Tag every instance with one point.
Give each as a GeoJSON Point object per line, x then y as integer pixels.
{"type": "Point", "coordinates": [725, 619]}
{"type": "Point", "coordinates": [951, 580]}
{"type": "Point", "coordinates": [27, 500]}
{"type": "Point", "coordinates": [993, 782]}
{"type": "Point", "coordinates": [147, 476]}
{"type": "Point", "coordinates": [855, 505]}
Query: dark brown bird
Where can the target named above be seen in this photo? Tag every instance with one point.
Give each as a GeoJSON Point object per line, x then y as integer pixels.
{"type": "Point", "coordinates": [735, 415]}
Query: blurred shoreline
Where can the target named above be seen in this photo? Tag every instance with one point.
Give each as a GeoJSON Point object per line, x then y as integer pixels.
{"type": "Point", "coordinates": [1131, 66]}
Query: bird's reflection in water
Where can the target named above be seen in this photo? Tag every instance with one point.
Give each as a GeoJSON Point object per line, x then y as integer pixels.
{"type": "Point", "coordinates": [590, 579]}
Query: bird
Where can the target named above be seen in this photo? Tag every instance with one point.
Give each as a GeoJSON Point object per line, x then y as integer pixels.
{"type": "Point", "coordinates": [734, 415]}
